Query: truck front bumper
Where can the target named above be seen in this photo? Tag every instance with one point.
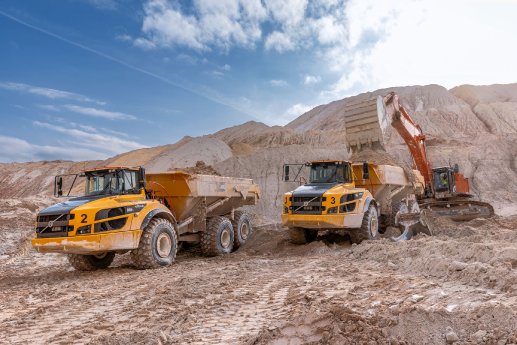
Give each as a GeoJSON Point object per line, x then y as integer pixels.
{"type": "Point", "coordinates": [89, 244]}
{"type": "Point", "coordinates": [323, 221]}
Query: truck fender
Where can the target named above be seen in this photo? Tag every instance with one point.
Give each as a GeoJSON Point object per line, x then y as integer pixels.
{"type": "Point", "coordinates": [160, 213]}
{"type": "Point", "coordinates": [367, 203]}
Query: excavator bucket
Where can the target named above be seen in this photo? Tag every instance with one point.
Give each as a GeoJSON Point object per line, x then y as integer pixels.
{"type": "Point", "coordinates": [365, 123]}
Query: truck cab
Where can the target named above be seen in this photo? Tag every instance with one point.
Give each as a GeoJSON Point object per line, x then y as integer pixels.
{"type": "Point", "coordinates": [108, 218]}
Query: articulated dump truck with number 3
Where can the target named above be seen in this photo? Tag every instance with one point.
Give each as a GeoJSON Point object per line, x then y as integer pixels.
{"type": "Point", "coordinates": [356, 198]}
{"type": "Point", "coordinates": [126, 210]}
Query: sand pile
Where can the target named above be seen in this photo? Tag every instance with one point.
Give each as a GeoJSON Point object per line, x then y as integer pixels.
{"type": "Point", "coordinates": [469, 125]}
{"type": "Point", "coordinates": [201, 168]}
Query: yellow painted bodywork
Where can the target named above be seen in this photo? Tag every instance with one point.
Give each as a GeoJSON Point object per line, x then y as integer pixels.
{"type": "Point", "coordinates": [125, 238]}
{"type": "Point", "coordinates": [348, 220]}
{"type": "Point", "coordinates": [89, 244]}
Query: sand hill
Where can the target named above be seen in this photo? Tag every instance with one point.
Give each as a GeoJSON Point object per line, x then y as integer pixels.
{"type": "Point", "coordinates": [474, 126]}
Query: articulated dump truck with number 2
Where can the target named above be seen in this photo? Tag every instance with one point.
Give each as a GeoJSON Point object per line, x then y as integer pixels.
{"type": "Point", "coordinates": [126, 210]}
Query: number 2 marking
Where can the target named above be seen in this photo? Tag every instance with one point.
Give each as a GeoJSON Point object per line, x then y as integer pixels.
{"type": "Point", "coordinates": [83, 220]}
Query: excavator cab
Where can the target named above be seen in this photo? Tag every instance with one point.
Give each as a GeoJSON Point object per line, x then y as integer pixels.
{"type": "Point", "coordinates": [449, 182]}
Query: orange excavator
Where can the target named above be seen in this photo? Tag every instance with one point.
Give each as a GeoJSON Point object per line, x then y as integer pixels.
{"type": "Point", "coordinates": [446, 192]}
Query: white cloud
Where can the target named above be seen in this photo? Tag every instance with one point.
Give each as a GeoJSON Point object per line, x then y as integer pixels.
{"type": "Point", "coordinates": [219, 23]}
{"type": "Point", "coordinates": [290, 114]}
{"type": "Point", "coordinates": [278, 83]}
{"type": "Point", "coordinates": [218, 74]}
{"type": "Point", "coordinates": [144, 43]}
{"type": "Point", "coordinates": [107, 144]}
{"type": "Point", "coordinates": [280, 42]}
{"type": "Point", "coordinates": [47, 92]}
{"type": "Point", "coordinates": [48, 107]}
{"type": "Point", "coordinates": [187, 58]}
{"type": "Point", "coordinates": [124, 38]}
{"type": "Point", "coordinates": [23, 151]}
{"type": "Point", "coordinates": [423, 44]}
{"type": "Point", "coordinates": [104, 4]}
{"type": "Point", "coordinates": [287, 12]}
{"type": "Point", "coordinates": [311, 79]}
{"type": "Point", "coordinates": [111, 115]}
{"type": "Point", "coordinates": [221, 70]}
{"type": "Point", "coordinates": [358, 45]}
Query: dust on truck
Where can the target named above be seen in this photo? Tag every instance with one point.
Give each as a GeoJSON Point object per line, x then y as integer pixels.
{"type": "Point", "coordinates": [355, 198]}
{"type": "Point", "coordinates": [126, 210]}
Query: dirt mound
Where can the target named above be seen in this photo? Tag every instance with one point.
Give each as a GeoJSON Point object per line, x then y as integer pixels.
{"type": "Point", "coordinates": [209, 150]}
{"type": "Point", "coordinates": [201, 168]}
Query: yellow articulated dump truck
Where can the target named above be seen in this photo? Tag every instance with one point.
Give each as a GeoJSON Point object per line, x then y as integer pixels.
{"type": "Point", "coordinates": [126, 210]}
{"type": "Point", "coordinates": [360, 199]}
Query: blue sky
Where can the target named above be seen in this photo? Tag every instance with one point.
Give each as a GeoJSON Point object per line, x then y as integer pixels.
{"type": "Point", "coordinates": [88, 79]}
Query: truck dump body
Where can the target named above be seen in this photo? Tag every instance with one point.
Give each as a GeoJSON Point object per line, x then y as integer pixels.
{"type": "Point", "coordinates": [185, 193]}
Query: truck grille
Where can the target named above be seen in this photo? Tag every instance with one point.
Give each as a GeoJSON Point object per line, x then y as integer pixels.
{"type": "Point", "coordinates": [53, 225]}
{"type": "Point", "coordinates": [307, 205]}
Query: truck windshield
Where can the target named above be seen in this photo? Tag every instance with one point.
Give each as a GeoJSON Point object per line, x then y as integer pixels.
{"type": "Point", "coordinates": [111, 182]}
{"type": "Point", "coordinates": [330, 173]}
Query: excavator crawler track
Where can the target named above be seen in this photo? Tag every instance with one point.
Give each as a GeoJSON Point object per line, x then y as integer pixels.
{"type": "Point", "coordinates": [459, 210]}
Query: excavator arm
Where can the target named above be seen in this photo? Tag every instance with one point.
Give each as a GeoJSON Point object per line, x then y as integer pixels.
{"type": "Point", "coordinates": [412, 134]}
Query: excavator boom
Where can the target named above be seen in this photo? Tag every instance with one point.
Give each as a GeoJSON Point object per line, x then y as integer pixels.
{"type": "Point", "coordinates": [411, 133]}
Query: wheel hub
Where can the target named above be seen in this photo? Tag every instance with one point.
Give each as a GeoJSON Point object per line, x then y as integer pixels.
{"type": "Point", "coordinates": [225, 238]}
{"type": "Point", "coordinates": [374, 226]}
{"type": "Point", "coordinates": [164, 245]}
{"type": "Point", "coordinates": [245, 231]}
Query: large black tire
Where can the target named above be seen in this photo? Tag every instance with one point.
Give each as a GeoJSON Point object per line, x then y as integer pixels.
{"type": "Point", "coordinates": [158, 245]}
{"type": "Point", "coordinates": [302, 236]}
{"type": "Point", "coordinates": [91, 262]}
{"type": "Point", "coordinates": [218, 238]}
{"type": "Point", "coordinates": [241, 228]}
{"type": "Point", "coordinates": [369, 227]}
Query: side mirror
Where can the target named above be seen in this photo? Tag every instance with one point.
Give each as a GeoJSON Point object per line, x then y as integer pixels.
{"type": "Point", "coordinates": [366, 171]}
{"type": "Point", "coordinates": [141, 177]}
{"type": "Point", "coordinates": [286, 173]}
{"type": "Point", "coordinates": [59, 183]}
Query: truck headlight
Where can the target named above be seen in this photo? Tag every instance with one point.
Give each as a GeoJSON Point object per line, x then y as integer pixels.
{"type": "Point", "coordinates": [286, 210]}
{"type": "Point", "coordinates": [332, 210]}
{"type": "Point", "coordinates": [84, 230]}
{"type": "Point", "coordinates": [351, 197]}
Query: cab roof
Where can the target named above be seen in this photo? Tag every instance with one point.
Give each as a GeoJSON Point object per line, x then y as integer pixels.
{"type": "Point", "coordinates": [112, 168]}
{"type": "Point", "coordinates": [329, 161]}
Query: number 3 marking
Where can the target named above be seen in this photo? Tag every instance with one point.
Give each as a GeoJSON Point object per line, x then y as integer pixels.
{"type": "Point", "coordinates": [332, 200]}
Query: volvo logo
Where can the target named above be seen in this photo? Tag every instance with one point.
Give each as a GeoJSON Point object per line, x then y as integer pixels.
{"type": "Point", "coordinates": [306, 203]}
{"type": "Point", "coordinates": [50, 224]}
